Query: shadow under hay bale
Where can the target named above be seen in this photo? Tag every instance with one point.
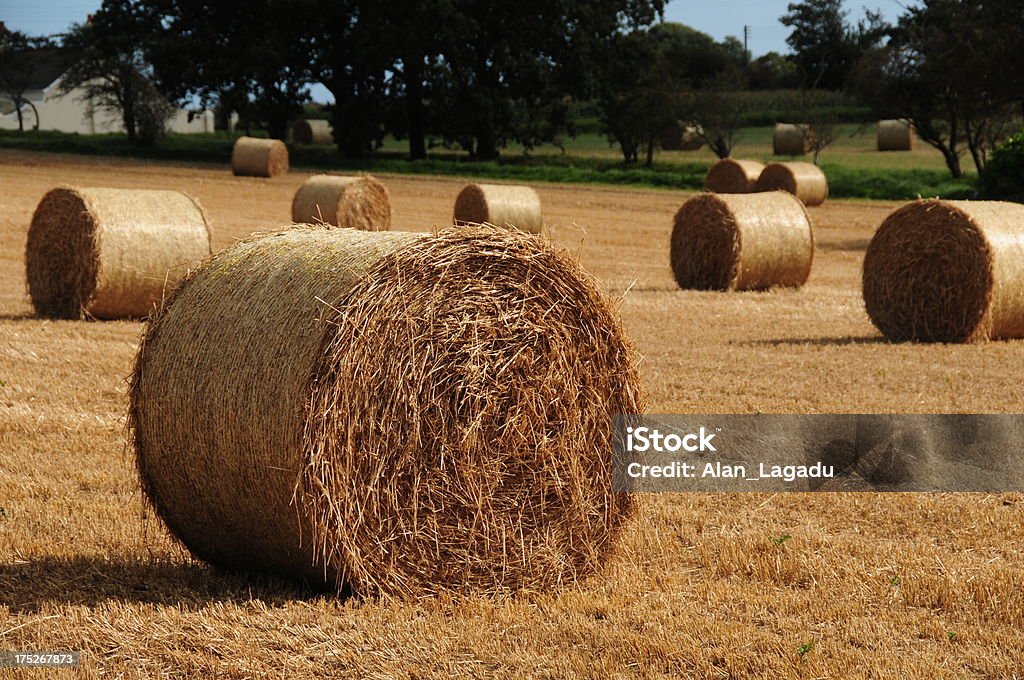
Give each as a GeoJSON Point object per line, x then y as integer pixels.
{"type": "Point", "coordinates": [895, 135]}
{"type": "Point", "coordinates": [313, 131]}
{"type": "Point", "coordinates": [791, 140]}
{"type": "Point", "coordinates": [742, 242]}
{"type": "Point", "coordinates": [256, 157]}
{"type": "Point", "coordinates": [356, 202]}
{"type": "Point", "coordinates": [394, 413]}
{"type": "Point", "coordinates": [947, 271]}
{"type": "Point", "coordinates": [504, 205]}
{"type": "Point", "coordinates": [806, 181]}
{"type": "Point", "coordinates": [111, 253]}
{"type": "Point", "coordinates": [732, 176]}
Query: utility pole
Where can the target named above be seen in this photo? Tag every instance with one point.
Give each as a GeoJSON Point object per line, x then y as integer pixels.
{"type": "Point", "coordinates": [746, 36]}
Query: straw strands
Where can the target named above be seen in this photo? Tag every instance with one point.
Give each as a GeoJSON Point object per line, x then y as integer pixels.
{"type": "Point", "coordinates": [947, 271]}
{"type": "Point", "coordinates": [356, 202]}
{"type": "Point", "coordinates": [110, 253]}
{"type": "Point", "coordinates": [731, 176]}
{"type": "Point", "coordinates": [503, 205]}
{"type": "Point", "coordinates": [387, 412]}
{"type": "Point", "coordinates": [257, 157]}
{"type": "Point", "coordinates": [741, 242]}
{"type": "Point", "coordinates": [806, 181]}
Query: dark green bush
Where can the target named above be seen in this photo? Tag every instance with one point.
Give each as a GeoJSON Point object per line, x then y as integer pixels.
{"type": "Point", "coordinates": [1003, 177]}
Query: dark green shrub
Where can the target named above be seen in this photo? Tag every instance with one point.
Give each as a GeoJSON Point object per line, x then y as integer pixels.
{"type": "Point", "coordinates": [1003, 177]}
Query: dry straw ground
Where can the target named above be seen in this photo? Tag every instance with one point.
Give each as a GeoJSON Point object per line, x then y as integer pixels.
{"type": "Point", "coordinates": [704, 586]}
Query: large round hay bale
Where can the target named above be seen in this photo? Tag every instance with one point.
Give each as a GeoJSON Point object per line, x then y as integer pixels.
{"type": "Point", "coordinates": [790, 140]}
{"type": "Point", "coordinates": [742, 242]}
{"type": "Point", "coordinates": [387, 412]}
{"type": "Point", "coordinates": [731, 176]}
{"type": "Point", "coordinates": [895, 135]}
{"type": "Point", "coordinates": [947, 271]}
{"type": "Point", "coordinates": [806, 181]}
{"type": "Point", "coordinates": [356, 202]}
{"type": "Point", "coordinates": [313, 131]}
{"type": "Point", "coordinates": [503, 205]}
{"type": "Point", "coordinates": [256, 157]}
{"type": "Point", "coordinates": [111, 253]}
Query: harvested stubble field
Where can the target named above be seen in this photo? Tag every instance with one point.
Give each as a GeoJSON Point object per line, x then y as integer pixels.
{"type": "Point", "coordinates": [807, 586]}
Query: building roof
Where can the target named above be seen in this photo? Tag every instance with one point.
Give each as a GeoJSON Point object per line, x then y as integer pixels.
{"type": "Point", "coordinates": [43, 67]}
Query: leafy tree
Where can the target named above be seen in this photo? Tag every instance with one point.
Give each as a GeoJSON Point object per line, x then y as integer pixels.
{"type": "Point", "coordinates": [107, 60]}
{"type": "Point", "coordinates": [17, 52]}
{"type": "Point", "coordinates": [944, 70]}
{"type": "Point", "coordinates": [772, 71]}
{"type": "Point", "coordinates": [825, 45]}
{"type": "Point", "coordinates": [257, 55]}
{"type": "Point", "coordinates": [717, 110]}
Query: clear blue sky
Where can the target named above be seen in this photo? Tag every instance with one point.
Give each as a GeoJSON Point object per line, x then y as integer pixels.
{"type": "Point", "coordinates": [718, 18]}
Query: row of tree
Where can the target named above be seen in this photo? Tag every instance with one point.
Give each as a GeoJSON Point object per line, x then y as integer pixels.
{"type": "Point", "coordinates": [480, 75]}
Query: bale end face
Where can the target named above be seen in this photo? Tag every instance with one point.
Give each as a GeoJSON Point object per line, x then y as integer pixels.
{"type": "Point", "coordinates": [731, 176]}
{"type": "Point", "coordinates": [930, 274]}
{"type": "Point", "coordinates": [255, 157]}
{"type": "Point", "coordinates": [501, 205]}
{"type": "Point", "coordinates": [448, 419]}
{"type": "Point", "coordinates": [741, 242]}
{"type": "Point", "coordinates": [353, 202]}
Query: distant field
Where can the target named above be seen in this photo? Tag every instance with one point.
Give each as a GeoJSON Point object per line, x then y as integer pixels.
{"type": "Point", "coordinates": [801, 586]}
{"type": "Point", "coordinates": [854, 168]}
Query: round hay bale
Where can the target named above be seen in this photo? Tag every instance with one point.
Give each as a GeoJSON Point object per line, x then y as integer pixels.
{"type": "Point", "coordinates": [895, 135]}
{"type": "Point", "coordinates": [313, 131]}
{"type": "Point", "coordinates": [387, 413]}
{"type": "Point", "coordinates": [730, 176]}
{"type": "Point", "coordinates": [947, 271]}
{"type": "Point", "coordinates": [111, 253]}
{"type": "Point", "coordinates": [742, 242]}
{"type": "Point", "coordinates": [356, 202]}
{"type": "Point", "coordinates": [502, 205]}
{"type": "Point", "coordinates": [790, 140]}
{"type": "Point", "coordinates": [256, 157]}
{"type": "Point", "coordinates": [806, 181]}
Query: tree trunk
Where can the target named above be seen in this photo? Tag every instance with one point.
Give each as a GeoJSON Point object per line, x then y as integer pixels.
{"type": "Point", "coordinates": [415, 111]}
{"type": "Point", "coordinates": [486, 146]}
{"type": "Point", "coordinates": [650, 152]}
{"type": "Point", "coordinates": [277, 126]}
{"type": "Point", "coordinates": [952, 162]}
{"type": "Point", "coordinates": [17, 107]}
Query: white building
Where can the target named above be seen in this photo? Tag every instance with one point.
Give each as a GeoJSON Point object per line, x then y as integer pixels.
{"type": "Point", "coordinates": [73, 112]}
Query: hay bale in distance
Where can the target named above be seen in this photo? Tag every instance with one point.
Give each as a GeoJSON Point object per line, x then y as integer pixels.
{"type": "Point", "coordinates": [731, 176]}
{"type": "Point", "coordinates": [256, 157]}
{"type": "Point", "coordinates": [806, 181]}
{"type": "Point", "coordinates": [742, 242]}
{"type": "Point", "coordinates": [895, 135]}
{"type": "Point", "coordinates": [111, 253]}
{"type": "Point", "coordinates": [387, 412]}
{"type": "Point", "coordinates": [312, 131]}
{"type": "Point", "coordinates": [791, 140]}
{"type": "Point", "coordinates": [356, 202]}
{"type": "Point", "coordinates": [947, 271]}
{"type": "Point", "coordinates": [502, 205]}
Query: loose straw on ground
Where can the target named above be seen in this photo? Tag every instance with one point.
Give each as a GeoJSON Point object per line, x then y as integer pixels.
{"type": "Point", "coordinates": [806, 181]}
{"type": "Point", "coordinates": [741, 242]}
{"type": "Point", "coordinates": [948, 271]}
{"type": "Point", "coordinates": [731, 176]}
{"type": "Point", "coordinates": [356, 202]}
{"type": "Point", "coordinates": [388, 413]}
{"type": "Point", "coordinates": [503, 205]}
{"type": "Point", "coordinates": [111, 253]}
{"type": "Point", "coordinates": [255, 157]}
